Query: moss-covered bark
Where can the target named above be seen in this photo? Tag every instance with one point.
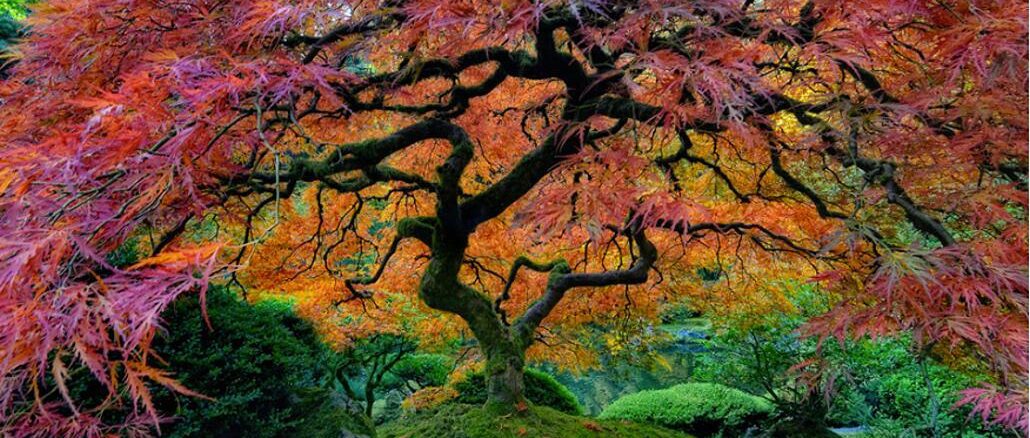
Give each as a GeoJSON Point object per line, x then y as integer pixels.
{"type": "Point", "coordinates": [441, 290]}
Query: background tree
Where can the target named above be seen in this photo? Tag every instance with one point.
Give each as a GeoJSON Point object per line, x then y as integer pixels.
{"type": "Point", "coordinates": [525, 167]}
{"type": "Point", "coordinates": [371, 360]}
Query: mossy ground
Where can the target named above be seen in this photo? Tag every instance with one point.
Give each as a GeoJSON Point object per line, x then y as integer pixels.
{"type": "Point", "coordinates": [471, 421]}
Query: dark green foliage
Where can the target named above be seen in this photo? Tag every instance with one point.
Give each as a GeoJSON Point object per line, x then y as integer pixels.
{"type": "Point", "coordinates": [540, 389]}
{"type": "Point", "coordinates": [125, 255]}
{"type": "Point", "coordinates": [875, 383]}
{"type": "Point", "coordinates": [261, 363]}
{"type": "Point", "coordinates": [363, 368]}
{"type": "Point", "coordinates": [454, 420]}
{"type": "Point", "coordinates": [422, 370]}
{"type": "Point", "coordinates": [887, 390]}
{"type": "Point", "coordinates": [599, 387]}
{"type": "Point", "coordinates": [709, 274]}
{"type": "Point", "coordinates": [411, 373]}
{"type": "Point", "coordinates": [11, 30]}
{"type": "Point", "coordinates": [670, 361]}
{"type": "Point", "coordinates": [758, 353]}
{"type": "Point", "coordinates": [699, 408]}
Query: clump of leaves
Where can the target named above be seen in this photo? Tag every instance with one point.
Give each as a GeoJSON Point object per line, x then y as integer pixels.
{"type": "Point", "coordinates": [419, 370]}
{"type": "Point", "coordinates": [698, 408]}
{"type": "Point", "coordinates": [892, 391]}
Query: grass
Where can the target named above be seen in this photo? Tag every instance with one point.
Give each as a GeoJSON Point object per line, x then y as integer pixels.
{"type": "Point", "coordinates": [471, 421]}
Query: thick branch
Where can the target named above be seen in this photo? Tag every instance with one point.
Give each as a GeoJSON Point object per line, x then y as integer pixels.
{"type": "Point", "coordinates": [513, 273]}
{"type": "Point", "coordinates": [562, 280]}
{"type": "Point", "coordinates": [883, 173]}
{"type": "Point", "coordinates": [800, 187]}
{"type": "Point", "coordinates": [877, 171]}
{"type": "Point", "coordinates": [366, 24]}
{"type": "Point", "coordinates": [379, 272]}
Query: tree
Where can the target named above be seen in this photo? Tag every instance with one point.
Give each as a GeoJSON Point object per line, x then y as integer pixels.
{"type": "Point", "coordinates": [534, 162]}
{"type": "Point", "coordinates": [371, 359]}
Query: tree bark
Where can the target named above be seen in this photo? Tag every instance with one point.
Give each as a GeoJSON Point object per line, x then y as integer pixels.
{"type": "Point", "coordinates": [505, 345]}
{"type": "Point", "coordinates": [504, 350]}
{"type": "Point", "coordinates": [504, 371]}
{"type": "Point", "coordinates": [370, 399]}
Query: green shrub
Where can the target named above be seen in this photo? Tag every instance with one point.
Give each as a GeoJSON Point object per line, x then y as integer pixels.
{"type": "Point", "coordinates": [877, 383]}
{"type": "Point", "coordinates": [14, 9]}
{"type": "Point", "coordinates": [540, 389]}
{"type": "Point", "coordinates": [889, 393]}
{"type": "Point", "coordinates": [698, 408]}
{"type": "Point", "coordinates": [424, 370]}
{"type": "Point", "coordinates": [261, 364]}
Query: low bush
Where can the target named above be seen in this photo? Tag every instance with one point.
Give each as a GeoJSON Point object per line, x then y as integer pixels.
{"type": "Point", "coordinates": [424, 370]}
{"type": "Point", "coordinates": [888, 392]}
{"type": "Point", "coordinates": [540, 389]}
{"type": "Point", "coordinates": [698, 408]}
{"type": "Point", "coordinates": [261, 364]}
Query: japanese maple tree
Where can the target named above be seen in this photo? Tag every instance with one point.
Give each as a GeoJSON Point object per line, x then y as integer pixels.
{"type": "Point", "coordinates": [526, 167]}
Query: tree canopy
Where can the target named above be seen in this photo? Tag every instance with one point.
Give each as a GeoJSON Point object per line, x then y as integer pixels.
{"type": "Point", "coordinates": [522, 168]}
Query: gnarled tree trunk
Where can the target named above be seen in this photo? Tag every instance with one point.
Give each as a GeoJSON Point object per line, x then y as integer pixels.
{"type": "Point", "coordinates": [504, 371]}
{"type": "Point", "coordinates": [503, 348]}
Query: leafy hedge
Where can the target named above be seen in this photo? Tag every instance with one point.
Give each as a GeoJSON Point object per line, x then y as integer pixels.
{"type": "Point", "coordinates": [880, 383]}
{"type": "Point", "coordinates": [889, 393]}
{"type": "Point", "coordinates": [698, 408]}
{"type": "Point", "coordinates": [425, 370]}
{"type": "Point", "coordinates": [261, 364]}
{"type": "Point", "coordinates": [540, 389]}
